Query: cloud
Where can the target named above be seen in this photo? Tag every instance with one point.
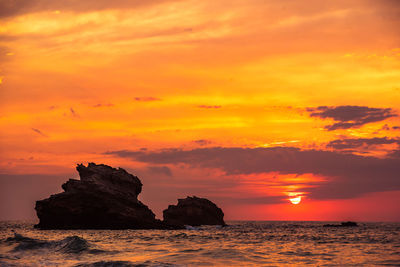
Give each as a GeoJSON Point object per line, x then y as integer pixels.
{"type": "Point", "coordinates": [147, 99]}
{"type": "Point", "coordinates": [39, 132]}
{"type": "Point", "coordinates": [385, 127]}
{"type": "Point", "coordinates": [350, 116]}
{"type": "Point", "coordinates": [164, 170]}
{"type": "Point", "coordinates": [359, 142]}
{"type": "Point", "coordinates": [103, 105]}
{"type": "Point", "coordinates": [73, 113]}
{"type": "Point", "coordinates": [395, 154]}
{"type": "Point", "coordinates": [264, 200]}
{"type": "Point", "coordinates": [17, 7]}
{"type": "Point", "coordinates": [348, 175]}
{"type": "Point", "coordinates": [202, 142]}
{"type": "Point", "coordinates": [208, 107]}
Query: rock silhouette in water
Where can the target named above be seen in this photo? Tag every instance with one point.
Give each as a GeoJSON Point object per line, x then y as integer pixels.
{"type": "Point", "coordinates": [342, 224]}
{"type": "Point", "coordinates": [103, 198]}
{"type": "Point", "coordinates": [193, 211]}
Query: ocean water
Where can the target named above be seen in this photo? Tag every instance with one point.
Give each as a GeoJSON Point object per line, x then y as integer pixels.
{"type": "Point", "coordinates": [239, 244]}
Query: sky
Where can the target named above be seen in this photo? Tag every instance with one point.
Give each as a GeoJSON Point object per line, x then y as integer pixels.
{"type": "Point", "coordinates": [252, 104]}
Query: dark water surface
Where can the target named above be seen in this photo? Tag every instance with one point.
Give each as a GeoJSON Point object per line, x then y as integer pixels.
{"type": "Point", "coordinates": [240, 244]}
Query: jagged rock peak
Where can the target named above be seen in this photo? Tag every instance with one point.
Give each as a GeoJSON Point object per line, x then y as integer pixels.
{"type": "Point", "coordinates": [104, 174]}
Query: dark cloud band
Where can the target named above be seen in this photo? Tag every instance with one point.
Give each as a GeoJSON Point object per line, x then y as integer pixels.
{"type": "Point", "coordinates": [349, 175]}
{"type": "Point", "coordinates": [350, 143]}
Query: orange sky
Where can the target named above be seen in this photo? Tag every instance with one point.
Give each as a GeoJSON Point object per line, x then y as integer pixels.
{"type": "Point", "coordinates": [127, 83]}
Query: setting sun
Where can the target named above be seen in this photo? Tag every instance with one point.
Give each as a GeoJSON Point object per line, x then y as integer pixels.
{"type": "Point", "coordinates": [295, 200]}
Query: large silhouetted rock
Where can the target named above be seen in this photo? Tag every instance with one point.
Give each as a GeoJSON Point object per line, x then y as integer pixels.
{"type": "Point", "coordinates": [193, 211]}
{"type": "Point", "coordinates": [103, 198]}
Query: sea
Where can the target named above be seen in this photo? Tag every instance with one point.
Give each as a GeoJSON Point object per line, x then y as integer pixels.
{"type": "Point", "coordinates": [241, 243]}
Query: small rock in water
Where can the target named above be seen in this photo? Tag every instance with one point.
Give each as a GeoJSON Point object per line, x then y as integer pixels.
{"type": "Point", "coordinates": [343, 224]}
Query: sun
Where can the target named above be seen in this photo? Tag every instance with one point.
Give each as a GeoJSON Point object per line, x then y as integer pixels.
{"type": "Point", "coordinates": [295, 197]}
{"type": "Point", "coordinates": [295, 200]}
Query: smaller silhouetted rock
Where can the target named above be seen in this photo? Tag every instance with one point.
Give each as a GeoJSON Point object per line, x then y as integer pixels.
{"type": "Point", "coordinates": [347, 224]}
{"type": "Point", "coordinates": [193, 211]}
{"type": "Point", "coordinates": [343, 224]}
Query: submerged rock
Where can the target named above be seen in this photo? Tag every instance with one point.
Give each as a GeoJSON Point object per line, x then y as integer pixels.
{"type": "Point", "coordinates": [103, 198]}
{"type": "Point", "coordinates": [193, 211]}
{"type": "Point", "coordinates": [343, 224]}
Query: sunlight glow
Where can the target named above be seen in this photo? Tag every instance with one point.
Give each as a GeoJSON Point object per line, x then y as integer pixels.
{"type": "Point", "coordinates": [295, 200]}
{"type": "Point", "coordinates": [295, 197]}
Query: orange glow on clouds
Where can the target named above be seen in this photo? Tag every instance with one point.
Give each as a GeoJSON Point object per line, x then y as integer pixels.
{"type": "Point", "coordinates": [79, 80]}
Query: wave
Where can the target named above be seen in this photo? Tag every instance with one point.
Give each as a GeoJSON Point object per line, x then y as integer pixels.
{"type": "Point", "coordinates": [27, 243]}
{"type": "Point", "coordinates": [189, 227]}
{"type": "Point", "coordinates": [244, 244]}
{"type": "Point", "coordinates": [6, 264]}
{"type": "Point", "coordinates": [126, 264]}
{"type": "Point", "coordinates": [71, 244]}
{"type": "Point", "coordinates": [107, 264]}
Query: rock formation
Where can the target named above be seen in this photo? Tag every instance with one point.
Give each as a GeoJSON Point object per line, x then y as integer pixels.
{"type": "Point", "coordinates": [193, 211]}
{"type": "Point", "coordinates": [103, 198]}
{"type": "Point", "coordinates": [342, 224]}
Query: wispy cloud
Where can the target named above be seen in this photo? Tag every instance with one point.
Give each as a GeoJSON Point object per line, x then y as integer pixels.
{"type": "Point", "coordinates": [351, 116]}
{"type": "Point", "coordinates": [202, 142]}
{"type": "Point", "coordinates": [351, 143]}
{"type": "Point", "coordinates": [16, 7]}
{"type": "Point", "coordinates": [209, 106]}
{"type": "Point", "coordinates": [163, 170]}
{"type": "Point", "coordinates": [147, 99]}
{"type": "Point", "coordinates": [73, 112]}
{"type": "Point", "coordinates": [103, 105]}
{"type": "Point", "coordinates": [39, 132]}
